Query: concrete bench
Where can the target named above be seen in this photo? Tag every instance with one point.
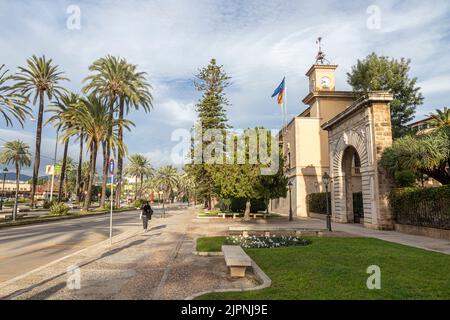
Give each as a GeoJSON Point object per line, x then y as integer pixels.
{"type": "Point", "coordinates": [236, 260]}
{"type": "Point", "coordinates": [267, 230]}
{"type": "Point", "coordinates": [224, 215]}
{"type": "Point", "coordinates": [255, 215]}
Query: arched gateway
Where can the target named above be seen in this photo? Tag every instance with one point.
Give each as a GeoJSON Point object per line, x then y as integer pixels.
{"type": "Point", "coordinates": [357, 137]}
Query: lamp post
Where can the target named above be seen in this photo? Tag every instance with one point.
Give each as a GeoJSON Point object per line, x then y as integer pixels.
{"type": "Point", "coordinates": [5, 171]}
{"type": "Point", "coordinates": [326, 181]}
{"type": "Point", "coordinates": [290, 200]}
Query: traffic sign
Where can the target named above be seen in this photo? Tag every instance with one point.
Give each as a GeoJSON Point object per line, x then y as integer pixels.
{"type": "Point", "coordinates": [111, 166]}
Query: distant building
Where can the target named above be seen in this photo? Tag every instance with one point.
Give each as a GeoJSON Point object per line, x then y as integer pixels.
{"type": "Point", "coordinates": [421, 126]}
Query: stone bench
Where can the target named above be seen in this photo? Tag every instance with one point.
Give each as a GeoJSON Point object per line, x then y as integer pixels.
{"type": "Point", "coordinates": [267, 230]}
{"type": "Point", "coordinates": [255, 215]}
{"type": "Point", "coordinates": [236, 260]}
{"type": "Point", "coordinates": [224, 215]}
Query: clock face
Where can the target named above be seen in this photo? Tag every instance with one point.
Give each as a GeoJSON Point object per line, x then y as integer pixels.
{"type": "Point", "coordinates": [325, 82]}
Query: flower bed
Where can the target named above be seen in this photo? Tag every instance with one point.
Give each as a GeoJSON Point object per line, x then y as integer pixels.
{"type": "Point", "coordinates": [267, 242]}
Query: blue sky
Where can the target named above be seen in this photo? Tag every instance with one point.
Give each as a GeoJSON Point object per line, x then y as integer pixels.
{"type": "Point", "coordinates": [258, 42]}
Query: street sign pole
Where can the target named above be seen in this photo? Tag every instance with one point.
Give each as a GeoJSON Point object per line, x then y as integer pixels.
{"type": "Point", "coordinates": [111, 172]}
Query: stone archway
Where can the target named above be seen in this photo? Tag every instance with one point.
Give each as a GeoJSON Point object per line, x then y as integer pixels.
{"type": "Point", "coordinates": [364, 128]}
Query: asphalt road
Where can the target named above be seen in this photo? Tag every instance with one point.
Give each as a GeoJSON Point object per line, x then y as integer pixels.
{"type": "Point", "coordinates": [23, 249]}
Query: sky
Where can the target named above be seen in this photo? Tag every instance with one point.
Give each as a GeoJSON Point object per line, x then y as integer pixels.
{"type": "Point", "coordinates": [257, 42]}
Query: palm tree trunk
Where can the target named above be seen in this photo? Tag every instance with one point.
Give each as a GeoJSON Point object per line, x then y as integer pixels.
{"type": "Point", "coordinates": [37, 151]}
{"type": "Point", "coordinates": [136, 189]}
{"type": "Point", "coordinates": [16, 199]}
{"type": "Point", "coordinates": [120, 155]}
{"type": "Point", "coordinates": [87, 200]}
{"type": "Point", "coordinates": [63, 171]}
{"type": "Point", "coordinates": [107, 156]}
{"type": "Point", "coordinates": [105, 173]}
{"type": "Point", "coordinates": [140, 190]}
{"type": "Point", "coordinates": [80, 165]}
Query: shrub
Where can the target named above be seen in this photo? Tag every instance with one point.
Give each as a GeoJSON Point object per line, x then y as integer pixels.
{"type": "Point", "coordinates": [405, 178]}
{"type": "Point", "coordinates": [48, 204]}
{"type": "Point", "coordinates": [267, 242]}
{"type": "Point", "coordinates": [59, 209]}
{"type": "Point", "coordinates": [425, 207]}
{"type": "Point", "coordinates": [317, 202]}
{"type": "Point", "coordinates": [225, 205]}
{"type": "Point", "coordinates": [238, 205]}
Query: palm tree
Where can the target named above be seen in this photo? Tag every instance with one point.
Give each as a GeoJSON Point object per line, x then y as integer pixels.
{"type": "Point", "coordinates": [63, 119]}
{"type": "Point", "coordinates": [18, 153]}
{"type": "Point", "coordinates": [167, 178]}
{"type": "Point", "coordinates": [106, 81]}
{"type": "Point", "coordinates": [139, 167]}
{"type": "Point", "coordinates": [95, 120]}
{"type": "Point", "coordinates": [136, 94]}
{"type": "Point", "coordinates": [441, 118]}
{"type": "Point", "coordinates": [42, 78]}
{"type": "Point", "coordinates": [187, 184]}
{"type": "Point", "coordinates": [11, 105]}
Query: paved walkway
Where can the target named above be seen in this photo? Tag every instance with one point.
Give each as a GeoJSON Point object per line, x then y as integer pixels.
{"type": "Point", "coordinates": [160, 264]}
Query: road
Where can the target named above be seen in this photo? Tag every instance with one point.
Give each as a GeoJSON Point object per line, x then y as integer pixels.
{"type": "Point", "coordinates": [23, 249]}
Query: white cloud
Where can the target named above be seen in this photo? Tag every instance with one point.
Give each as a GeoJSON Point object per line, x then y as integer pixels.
{"type": "Point", "coordinates": [257, 43]}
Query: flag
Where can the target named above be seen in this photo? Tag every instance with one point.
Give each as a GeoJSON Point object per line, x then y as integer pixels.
{"type": "Point", "coordinates": [280, 92]}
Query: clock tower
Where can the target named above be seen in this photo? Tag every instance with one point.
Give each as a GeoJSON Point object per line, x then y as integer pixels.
{"type": "Point", "coordinates": [322, 77]}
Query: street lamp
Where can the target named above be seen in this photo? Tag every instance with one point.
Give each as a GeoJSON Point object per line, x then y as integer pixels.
{"type": "Point", "coordinates": [326, 181]}
{"type": "Point", "coordinates": [5, 171]}
{"type": "Point", "coordinates": [290, 200]}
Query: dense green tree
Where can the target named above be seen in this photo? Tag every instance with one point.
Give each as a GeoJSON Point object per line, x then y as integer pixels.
{"type": "Point", "coordinates": [42, 78]}
{"type": "Point", "coordinates": [18, 153]}
{"type": "Point", "coordinates": [383, 73]}
{"type": "Point", "coordinates": [428, 154]}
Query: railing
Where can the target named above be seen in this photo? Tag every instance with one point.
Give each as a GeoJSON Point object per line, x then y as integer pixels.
{"type": "Point", "coordinates": [425, 207]}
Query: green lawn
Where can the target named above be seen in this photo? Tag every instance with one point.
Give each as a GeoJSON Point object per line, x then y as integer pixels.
{"type": "Point", "coordinates": [335, 268]}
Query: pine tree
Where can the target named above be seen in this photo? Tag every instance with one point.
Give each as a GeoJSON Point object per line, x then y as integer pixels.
{"type": "Point", "coordinates": [211, 81]}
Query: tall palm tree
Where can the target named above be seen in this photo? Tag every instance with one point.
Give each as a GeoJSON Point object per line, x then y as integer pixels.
{"type": "Point", "coordinates": [18, 153]}
{"type": "Point", "coordinates": [63, 119]}
{"type": "Point", "coordinates": [94, 118]}
{"type": "Point", "coordinates": [106, 81]}
{"type": "Point", "coordinates": [441, 118]}
{"type": "Point", "coordinates": [40, 77]}
{"type": "Point", "coordinates": [139, 167]}
{"type": "Point", "coordinates": [136, 94]}
{"type": "Point", "coordinates": [167, 178]}
{"type": "Point", "coordinates": [11, 105]}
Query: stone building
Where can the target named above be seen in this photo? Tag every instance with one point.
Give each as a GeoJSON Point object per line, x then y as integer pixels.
{"type": "Point", "coordinates": [347, 131]}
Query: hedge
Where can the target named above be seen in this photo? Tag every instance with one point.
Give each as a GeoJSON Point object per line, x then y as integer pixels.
{"type": "Point", "coordinates": [423, 207]}
{"type": "Point", "coordinates": [238, 205]}
{"type": "Point", "coordinates": [317, 202]}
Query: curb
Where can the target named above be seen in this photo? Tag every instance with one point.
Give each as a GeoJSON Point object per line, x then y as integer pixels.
{"type": "Point", "coordinates": [207, 253]}
{"type": "Point", "coordinates": [259, 273]}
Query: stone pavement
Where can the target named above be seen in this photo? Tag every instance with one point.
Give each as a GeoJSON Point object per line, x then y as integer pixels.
{"type": "Point", "coordinates": [160, 264]}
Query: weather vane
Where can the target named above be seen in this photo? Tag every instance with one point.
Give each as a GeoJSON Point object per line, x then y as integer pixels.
{"type": "Point", "coordinates": [320, 55]}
